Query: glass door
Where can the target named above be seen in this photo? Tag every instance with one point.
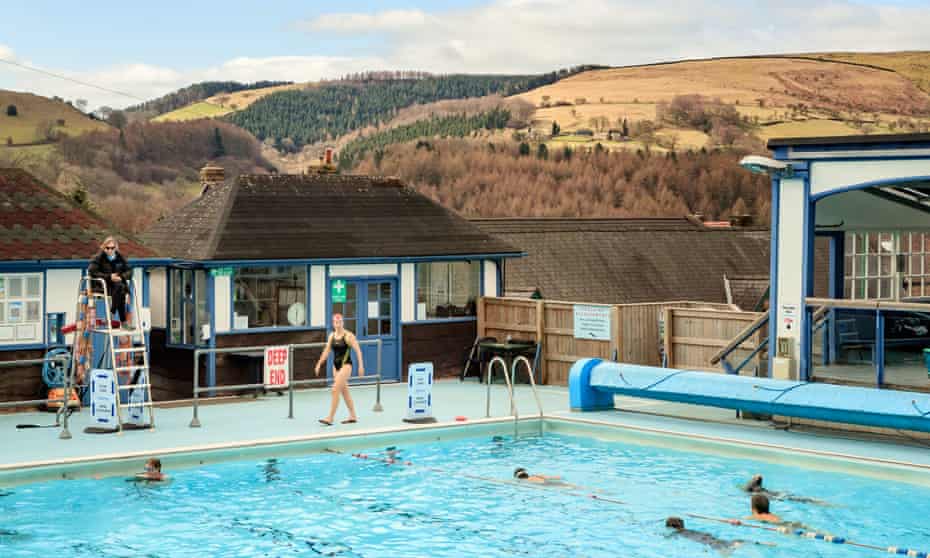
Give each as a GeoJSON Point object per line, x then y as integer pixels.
{"type": "Point", "coordinates": [370, 312]}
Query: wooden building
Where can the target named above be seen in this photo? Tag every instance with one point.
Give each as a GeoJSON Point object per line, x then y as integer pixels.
{"type": "Point", "coordinates": [267, 259]}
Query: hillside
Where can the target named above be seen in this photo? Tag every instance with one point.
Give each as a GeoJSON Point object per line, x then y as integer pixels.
{"type": "Point", "coordinates": [195, 93]}
{"type": "Point", "coordinates": [39, 119]}
{"type": "Point", "coordinates": [914, 65]}
{"type": "Point", "coordinates": [225, 102]}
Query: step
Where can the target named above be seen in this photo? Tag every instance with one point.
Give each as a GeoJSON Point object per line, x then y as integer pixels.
{"type": "Point", "coordinates": [142, 404]}
{"type": "Point", "coordinates": [136, 367]}
{"type": "Point", "coordinates": [134, 386]}
{"type": "Point", "coordinates": [129, 349]}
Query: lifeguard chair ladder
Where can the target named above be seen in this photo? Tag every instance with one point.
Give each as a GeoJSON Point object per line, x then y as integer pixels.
{"type": "Point", "coordinates": [124, 346]}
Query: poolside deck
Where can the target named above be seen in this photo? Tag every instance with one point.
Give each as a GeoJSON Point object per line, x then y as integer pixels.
{"type": "Point", "coordinates": [264, 420]}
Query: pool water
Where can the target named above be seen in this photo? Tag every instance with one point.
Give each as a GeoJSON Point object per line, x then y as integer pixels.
{"type": "Point", "coordinates": [334, 504]}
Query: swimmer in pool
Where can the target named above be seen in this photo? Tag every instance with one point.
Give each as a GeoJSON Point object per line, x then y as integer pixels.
{"type": "Point", "coordinates": [759, 505]}
{"type": "Point", "coordinates": [754, 486]}
{"type": "Point", "coordinates": [720, 545]}
{"type": "Point", "coordinates": [523, 475]}
{"type": "Point", "coordinates": [152, 471]}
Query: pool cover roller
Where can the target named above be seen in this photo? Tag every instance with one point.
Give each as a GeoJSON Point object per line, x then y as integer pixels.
{"type": "Point", "coordinates": [594, 382]}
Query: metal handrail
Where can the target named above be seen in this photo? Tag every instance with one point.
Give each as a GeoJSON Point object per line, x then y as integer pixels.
{"type": "Point", "coordinates": [529, 369]}
{"type": "Point", "coordinates": [740, 337]}
{"type": "Point", "coordinates": [195, 420]}
{"type": "Point", "coordinates": [513, 405]}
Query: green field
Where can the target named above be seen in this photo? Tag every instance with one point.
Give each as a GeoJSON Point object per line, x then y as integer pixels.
{"type": "Point", "coordinates": [33, 112]}
{"type": "Point", "coordinates": [195, 111]}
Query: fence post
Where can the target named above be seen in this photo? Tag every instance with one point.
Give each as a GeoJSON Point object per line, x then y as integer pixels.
{"type": "Point", "coordinates": [290, 381]}
{"type": "Point", "coordinates": [378, 408]}
{"type": "Point", "coordinates": [66, 405]}
{"type": "Point", "coordinates": [669, 332]}
{"type": "Point", "coordinates": [195, 422]}
{"type": "Point", "coordinates": [614, 348]}
{"type": "Point", "coordinates": [481, 316]}
{"type": "Point", "coordinates": [540, 339]}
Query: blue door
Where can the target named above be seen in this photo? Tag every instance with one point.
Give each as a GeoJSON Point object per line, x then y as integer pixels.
{"type": "Point", "coordinates": [370, 312]}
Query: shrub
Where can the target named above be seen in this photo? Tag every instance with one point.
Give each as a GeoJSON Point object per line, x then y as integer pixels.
{"type": "Point", "coordinates": [11, 110]}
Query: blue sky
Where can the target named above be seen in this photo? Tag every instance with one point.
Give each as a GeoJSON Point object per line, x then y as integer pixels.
{"type": "Point", "coordinates": [150, 48]}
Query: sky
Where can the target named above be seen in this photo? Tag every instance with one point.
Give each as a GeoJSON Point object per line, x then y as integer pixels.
{"type": "Point", "coordinates": [145, 49]}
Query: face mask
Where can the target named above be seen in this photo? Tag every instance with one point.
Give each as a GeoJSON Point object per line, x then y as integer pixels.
{"type": "Point", "coordinates": [112, 256]}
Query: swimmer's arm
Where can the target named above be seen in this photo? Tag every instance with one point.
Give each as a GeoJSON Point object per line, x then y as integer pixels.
{"type": "Point", "coordinates": [353, 342]}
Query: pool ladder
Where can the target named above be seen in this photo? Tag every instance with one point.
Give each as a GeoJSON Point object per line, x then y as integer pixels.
{"type": "Point", "coordinates": [509, 379]}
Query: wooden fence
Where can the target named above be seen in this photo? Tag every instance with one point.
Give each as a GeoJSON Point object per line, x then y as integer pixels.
{"type": "Point", "coordinates": [635, 331]}
{"type": "Point", "coordinates": [693, 336]}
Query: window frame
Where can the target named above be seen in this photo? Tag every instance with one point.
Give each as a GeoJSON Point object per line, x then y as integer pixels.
{"type": "Point", "coordinates": [449, 263]}
{"type": "Point", "coordinates": [24, 299]}
{"type": "Point", "coordinates": [269, 329]}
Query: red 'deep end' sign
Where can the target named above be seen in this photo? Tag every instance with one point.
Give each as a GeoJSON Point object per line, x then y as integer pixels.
{"type": "Point", "coordinates": [277, 366]}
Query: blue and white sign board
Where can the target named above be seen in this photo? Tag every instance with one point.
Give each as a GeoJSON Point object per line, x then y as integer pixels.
{"type": "Point", "coordinates": [420, 391]}
{"type": "Point", "coordinates": [592, 322]}
{"type": "Point", "coordinates": [103, 398]}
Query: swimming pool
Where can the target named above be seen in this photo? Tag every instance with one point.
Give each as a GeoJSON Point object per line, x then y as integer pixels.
{"type": "Point", "coordinates": [450, 503]}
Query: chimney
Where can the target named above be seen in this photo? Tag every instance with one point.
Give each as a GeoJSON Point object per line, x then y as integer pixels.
{"type": "Point", "coordinates": [328, 156]}
{"type": "Point", "coordinates": [211, 175]}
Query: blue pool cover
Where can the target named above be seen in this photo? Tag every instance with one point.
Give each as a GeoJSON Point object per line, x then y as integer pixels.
{"type": "Point", "coordinates": [593, 383]}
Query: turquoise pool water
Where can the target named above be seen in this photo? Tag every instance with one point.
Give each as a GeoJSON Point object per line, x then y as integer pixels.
{"type": "Point", "coordinates": [338, 505]}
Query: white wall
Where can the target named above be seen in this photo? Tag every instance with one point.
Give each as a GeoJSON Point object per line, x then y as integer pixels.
{"type": "Point", "coordinates": [361, 270]}
{"type": "Point", "coordinates": [317, 296]}
{"type": "Point", "coordinates": [158, 296]}
{"type": "Point", "coordinates": [222, 292]}
{"type": "Point", "coordinates": [790, 258]}
{"type": "Point", "coordinates": [408, 293]}
{"type": "Point", "coordinates": [830, 175]}
{"type": "Point", "coordinates": [490, 278]}
{"type": "Point", "coordinates": [61, 288]}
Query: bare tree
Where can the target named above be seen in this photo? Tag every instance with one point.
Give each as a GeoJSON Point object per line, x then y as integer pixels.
{"type": "Point", "coordinates": [81, 104]}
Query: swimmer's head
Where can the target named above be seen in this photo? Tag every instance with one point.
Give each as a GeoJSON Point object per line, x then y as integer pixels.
{"type": "Point", "coordinates": [754, 484]}
{"type": "Point", "coordinates": [675, 523]}
{"type": "Point", "coordinates": [759, 503]}
{"type": "Point", "coordinates": [497, 439]}
{"type": "Point", "coordinates": [520, 473]}
{"type": "Point", "coordinates": [153, 465]}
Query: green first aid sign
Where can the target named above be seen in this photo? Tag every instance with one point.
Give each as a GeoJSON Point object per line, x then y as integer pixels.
{"type": "Point", "coordinates": [338, 291]}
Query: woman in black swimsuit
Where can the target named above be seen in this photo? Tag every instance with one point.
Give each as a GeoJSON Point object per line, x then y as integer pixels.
{"type": "Point", "coordinates": [341, 341]}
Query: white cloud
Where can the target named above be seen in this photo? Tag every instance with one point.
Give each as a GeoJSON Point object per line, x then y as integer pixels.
{"type": "Point", "coordinates": [389, 20]}
{"type": "Point", "coordinates": [528, 36]}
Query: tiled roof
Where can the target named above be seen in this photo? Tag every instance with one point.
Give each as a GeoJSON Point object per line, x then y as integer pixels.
{"type": "Point", "coordinates": [258, 217]}
{"type": "Point", "coordinates": [748, 291]}
{"type": "Point", "coordinates": [37, 222]}
{"type": "Point", "coordinates": [616, 261]}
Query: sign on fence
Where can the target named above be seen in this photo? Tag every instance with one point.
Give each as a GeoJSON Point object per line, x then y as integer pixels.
{"type": "Point", "coordinates": [277, 366]}
{"type": "Point", "coordinates": [591, 322]}
{"type": "Point", "coordinates": [420, 392]}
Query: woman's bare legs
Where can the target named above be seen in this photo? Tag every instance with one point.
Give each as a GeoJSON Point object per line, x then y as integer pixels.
{"type": "Point", "coordinates": [341, 388]}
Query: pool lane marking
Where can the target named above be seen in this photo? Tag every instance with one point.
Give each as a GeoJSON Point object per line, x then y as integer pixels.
{"type": "Point", "coordinates": [806, 534]}
{"type": "Point", "coordinates": [568, 489]}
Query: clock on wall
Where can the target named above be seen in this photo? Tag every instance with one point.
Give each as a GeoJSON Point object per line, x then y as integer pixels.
{"type": "Point", "coordinates": [297, 314]}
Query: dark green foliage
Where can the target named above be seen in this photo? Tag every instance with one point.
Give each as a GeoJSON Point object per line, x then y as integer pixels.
{"type": "Point", "coordinates": [524, 149]}
{"type": "Point", "coordinates": [625, 129]}
{"type": "Point", "coordinates": [198, 92]}
{"type": "Point", "coordinates": [555, 128]}
{"type": "Point", "coordinates": [331, 110]}
{"type": "Point", "coordinates": [448, 126]}
{"type": "Point", "coordinates": [218, 149]}
{"type": "Point", "coordinates": [11, 110]}
{"type": "Point", "coordinates": [567, 153]}
{"type": "Point", "coordinates": [542, 152]}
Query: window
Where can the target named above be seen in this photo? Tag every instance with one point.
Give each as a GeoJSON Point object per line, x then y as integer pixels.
{"type": "Point", "coordinates": [885, 265]}
{"type": "Point", "coordinates": [447, 289]}
{"type": "Point", "coordinates": [270, 297]}
{"type": "Point", "coordinates": [188, 306]}
{"type": "Point", "coordinates": [21, 308]}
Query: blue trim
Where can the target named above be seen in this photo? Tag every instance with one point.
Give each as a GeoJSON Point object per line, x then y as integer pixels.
{"type": "Point", "coordinates": [23, 347]}
{"type": "Point", "coordinates": [870, 184]}
{"type": "Point", "coordinates": [830, 148]}
{"type": "Point", "coordinates": [211, 306]}
{"type": "Point", "coordinates": [481, 279]}
{"type": "Point", "coordinates": [879, 348]}
{"type": "Point", "coordinates": [270, 329]}
{"type": "Point", "coordinates": [807, 277]}
{"type": "Point", "coordinates": [44, 314]}
{"type": "Point", "coordinates": [773, 272]}
{"type": "Point", "coordinates": [357, 261]}
{"type": "Point", "coordinates": [442, 320]}
{"type": "Point", "coordinates": [500, 277]}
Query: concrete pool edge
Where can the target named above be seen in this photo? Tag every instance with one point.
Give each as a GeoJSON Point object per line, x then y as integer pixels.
{"type": "Point", "coordinates": [679, 440]}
